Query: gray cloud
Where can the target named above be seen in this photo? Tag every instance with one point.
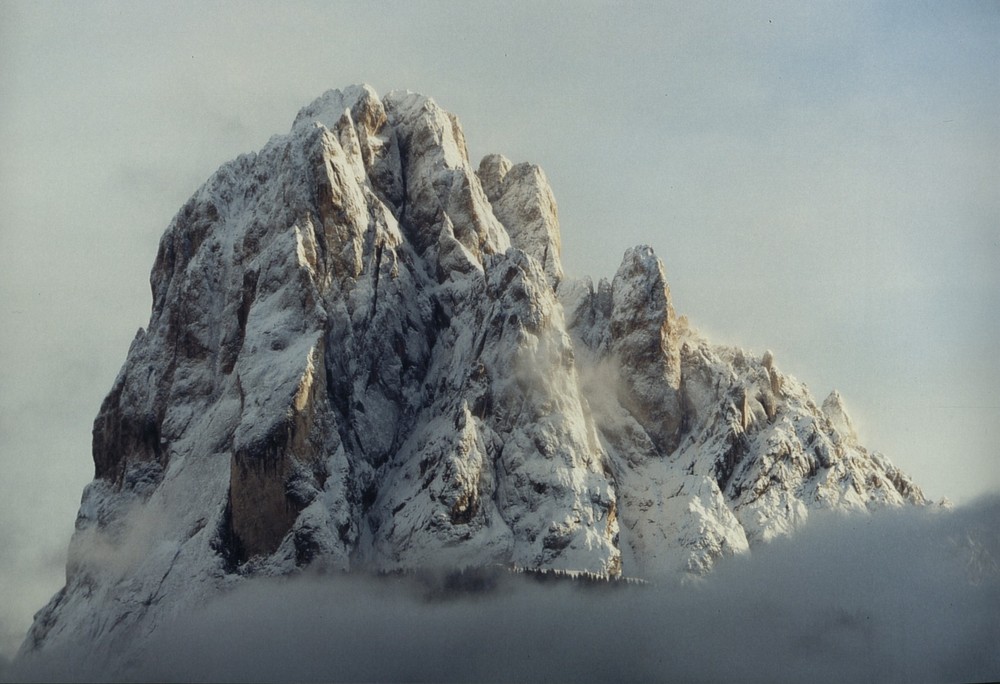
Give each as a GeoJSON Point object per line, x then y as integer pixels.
{"type": "Point", "coordinates": [904, 596]}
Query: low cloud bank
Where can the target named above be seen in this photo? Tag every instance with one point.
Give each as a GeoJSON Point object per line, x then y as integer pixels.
{"type": "Point", "coordinates": [903, 596]}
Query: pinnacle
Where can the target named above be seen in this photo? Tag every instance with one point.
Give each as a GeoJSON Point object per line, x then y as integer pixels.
{"type": "Point", "coordinates": [330, 106]}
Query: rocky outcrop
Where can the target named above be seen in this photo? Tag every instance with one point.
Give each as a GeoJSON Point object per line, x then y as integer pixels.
{"type": "Point", "coordinates": [840, 421]}
{"type": "Point", "coordinates": [523, 201]}
{"type": "Point", "coordinates": [363, 354]}
{"type": "Point", "coordinates": [644, 343]}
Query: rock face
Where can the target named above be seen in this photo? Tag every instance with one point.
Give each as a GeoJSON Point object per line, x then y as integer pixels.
{"type": "Point", "coordinates": [363, 354]}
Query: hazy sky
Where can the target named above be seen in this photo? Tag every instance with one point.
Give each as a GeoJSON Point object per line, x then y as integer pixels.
{"type": "Point", "coordinates": [819, 179]}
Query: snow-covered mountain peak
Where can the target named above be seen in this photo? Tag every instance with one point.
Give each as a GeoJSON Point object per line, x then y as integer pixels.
{"type": "Point", "coordinates": [364, 354]}
{"type": "Point", "coordinates": [523, 201]}
{"type": "Point", "coordinates": [836, 411]}
{"type": "Point", "coordinates": [331, 105]}
{"type": "Point", "coordinates": [644, 344]}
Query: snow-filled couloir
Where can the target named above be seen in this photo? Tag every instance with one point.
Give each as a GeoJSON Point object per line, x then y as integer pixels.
{"type": "Point", "coordinates": [364, 354]}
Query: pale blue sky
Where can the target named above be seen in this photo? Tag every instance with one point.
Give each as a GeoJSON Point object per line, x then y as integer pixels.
{"type": "Point", "coordinates": [820, 179]}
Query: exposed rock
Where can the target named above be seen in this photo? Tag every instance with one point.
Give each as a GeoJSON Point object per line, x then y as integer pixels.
{"type": "Point", "coordinates": [523, 201]}
{"type": "Point", "coordinates": [443, 193]}
{"type": "Point", "coordinates": [644, 344]}
{"type": "Point", "coordinates": [843, 426]}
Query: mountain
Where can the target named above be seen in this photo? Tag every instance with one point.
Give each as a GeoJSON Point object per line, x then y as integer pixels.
{"type": "Point", "coordinates": [364, 354]}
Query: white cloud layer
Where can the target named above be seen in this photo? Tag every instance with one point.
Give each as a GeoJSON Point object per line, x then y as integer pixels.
{"type": "Point", "coordinates": [907, 596]}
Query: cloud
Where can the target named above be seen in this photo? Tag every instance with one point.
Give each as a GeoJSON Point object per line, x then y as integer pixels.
{"type": "Point", "coordinates": [905, 596]}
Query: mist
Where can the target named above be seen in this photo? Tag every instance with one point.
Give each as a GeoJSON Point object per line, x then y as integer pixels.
{"type": "Point", "coordinates": [898, 596]}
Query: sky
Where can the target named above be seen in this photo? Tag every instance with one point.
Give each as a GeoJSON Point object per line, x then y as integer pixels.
{"type": "Point", "coordinates": [820, 179]}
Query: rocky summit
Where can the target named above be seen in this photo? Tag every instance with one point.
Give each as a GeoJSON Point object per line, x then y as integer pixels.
{"type": "Point", "coordinates": [364, 354]}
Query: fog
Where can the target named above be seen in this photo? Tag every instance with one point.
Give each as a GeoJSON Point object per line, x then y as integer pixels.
{"type": "Point", "coordinates": [900, 596]}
